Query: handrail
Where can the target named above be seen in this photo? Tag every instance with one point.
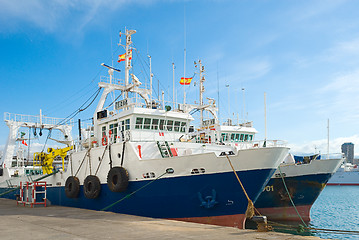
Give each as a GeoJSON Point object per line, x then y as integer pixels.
{"type": "Point", "coordinates": [34, 119]}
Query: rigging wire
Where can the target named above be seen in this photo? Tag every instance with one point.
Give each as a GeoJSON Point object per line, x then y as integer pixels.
{"type": "Point", "coordinates": [154, 75]}
{"type": "Point", "coordinates": [72, 96]}
{"type": "Point", "coordinates": [73, 114]}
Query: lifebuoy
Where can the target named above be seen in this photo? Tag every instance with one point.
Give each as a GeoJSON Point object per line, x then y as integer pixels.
{"type": "Point", "coordinates": [72, 187]}
{"type": "Point", "coordinates": [104, 140]}
{"type": "Point", "coordinates": [117, 179]}
{"type": "Point", "coordinates": [92, 186]}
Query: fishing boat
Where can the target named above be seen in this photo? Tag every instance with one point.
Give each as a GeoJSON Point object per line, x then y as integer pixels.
{"type": "Point", "coordinates": [139, 158]}
{"type": "Point", "coordinates": [299, 179]}
{"type": "Point", "coordinates": [346, 175]}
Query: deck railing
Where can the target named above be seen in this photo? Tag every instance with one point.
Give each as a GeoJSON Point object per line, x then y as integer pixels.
{"type": "Point", "coordinates": [35, 119]}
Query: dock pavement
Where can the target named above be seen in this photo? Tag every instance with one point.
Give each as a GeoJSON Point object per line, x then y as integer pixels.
{"type": "Point", "coordinates": [65, 223]}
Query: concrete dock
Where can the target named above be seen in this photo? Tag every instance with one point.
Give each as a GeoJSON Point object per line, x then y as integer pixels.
{"type": "Point", "coordinates": [54, 222]}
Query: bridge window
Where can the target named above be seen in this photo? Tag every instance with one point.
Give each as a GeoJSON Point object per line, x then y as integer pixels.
{"type": "Point", "coordinates": [177, 126]}
{"type": "Point", "coordinates": [122, 125]}
{"type": "Point", "coordinates": [104, 131]}
{"type": "Point", "coordinates": [147, 124]}
{"type": "Point", "coordinates": [250, 137]}
{"type": "Point", "coordinates": [233, 135]}
{"type": "Point", "coordinates": [127, 124]}
{"type": "Point", "coordinates": [169, 125]}
{"type": "Point", "coordinates": [224, 137]}
{"type": "Point", "coordinates": [113, 129]}
{"type": "Point", "coordinates": [242, 137]}
{"type": "Point", "coordinates": [154, 124]}
{"type": "Point", "coordinates": [246, 137]}
{"type": "Point", "coordinates": [183, 127]}
{"type": "Point", "coordinates": [139, 122]}
{"type": "Point", "coordinates": [162, 123]}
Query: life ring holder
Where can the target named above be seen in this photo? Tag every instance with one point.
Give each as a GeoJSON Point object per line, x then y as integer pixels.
{"type": "Point", "coordinates": [104, 141]}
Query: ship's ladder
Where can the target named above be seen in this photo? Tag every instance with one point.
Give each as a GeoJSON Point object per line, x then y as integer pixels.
{"type": "Point", "coordinates": [165, 149]}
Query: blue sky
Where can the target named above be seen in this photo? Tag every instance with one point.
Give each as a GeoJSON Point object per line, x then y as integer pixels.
{"type": "Point", "coordinates": [303, 54]}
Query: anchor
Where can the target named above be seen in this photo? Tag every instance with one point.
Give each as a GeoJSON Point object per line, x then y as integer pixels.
{"type": "Point", "coordinates": [208, 201]}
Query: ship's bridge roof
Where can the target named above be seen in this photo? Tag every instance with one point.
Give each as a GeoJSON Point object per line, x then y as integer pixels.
{"type": "Point", "coordinates": [241, 129]}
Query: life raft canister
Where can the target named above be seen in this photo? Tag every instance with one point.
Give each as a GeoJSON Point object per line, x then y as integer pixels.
{"type": "Point", "coordinates": [92, 186]}
{"type": "Point", "coordinates": [117, 179]}
{"type": "Point", "coordinates": [72, 187]}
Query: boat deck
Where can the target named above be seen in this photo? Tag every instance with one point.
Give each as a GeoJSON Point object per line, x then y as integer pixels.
{"type": "Point", "coordinates": [54, 222]}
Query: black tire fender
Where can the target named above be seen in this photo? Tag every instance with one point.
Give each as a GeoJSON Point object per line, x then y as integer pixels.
{"type": "Point", "coordinates": [92, 186]}
{"type": "Point", "coordinates": [117, 179]}
{"type": "Point", "coordinates": [72, 187]}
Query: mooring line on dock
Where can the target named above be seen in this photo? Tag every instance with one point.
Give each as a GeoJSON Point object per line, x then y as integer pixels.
{"type": "Point", "coordinates": [300, 229]}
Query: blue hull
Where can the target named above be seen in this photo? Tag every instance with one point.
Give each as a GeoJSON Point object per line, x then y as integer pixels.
{"type": "Point", "coordinates": [274, 201]}
{"type": "Point", "coordinates": [209, 198]}
{"type": "Point", "coordinates": [178, 197]}
{"type": "Point", "coordinates": [304, 190]}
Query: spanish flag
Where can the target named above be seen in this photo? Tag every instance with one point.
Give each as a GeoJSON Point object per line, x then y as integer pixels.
{"type": "Point", "coordinates": [122, 57]}
{"type": "Point", "coordinates": [185, 81]}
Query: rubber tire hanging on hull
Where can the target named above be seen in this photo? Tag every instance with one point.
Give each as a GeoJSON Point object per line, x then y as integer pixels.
{"type": "Point", "coordinates": [117, 179]}
{"type": "Point", "coordinates": [72, 187]}
{"type": "Point", "coordinates": [92, 186]}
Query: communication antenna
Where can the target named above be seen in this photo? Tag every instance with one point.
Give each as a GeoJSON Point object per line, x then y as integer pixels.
{"type": "Point", "coordinates": [265, 117]}
{"type": "Point", "coordinates": [184, 57]}
{"type": "Point", "coordinates": [328, 141]}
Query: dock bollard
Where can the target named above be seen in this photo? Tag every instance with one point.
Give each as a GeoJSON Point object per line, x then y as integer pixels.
{"type": "Point", "coordinates": [262, 224]}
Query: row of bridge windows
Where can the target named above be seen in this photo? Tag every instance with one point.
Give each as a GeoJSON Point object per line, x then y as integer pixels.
{"type": "Point", "coordinates": [236, 137]}
{"type": "Point", "coordinates": [160, 124]}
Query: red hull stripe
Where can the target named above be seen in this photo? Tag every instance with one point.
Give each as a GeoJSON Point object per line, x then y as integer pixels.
{"type": "Point", "coordinates": [286, 213]}
{"type": "Point", "coordinates": [237, 220]}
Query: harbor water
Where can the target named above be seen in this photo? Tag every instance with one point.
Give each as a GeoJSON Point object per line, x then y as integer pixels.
{"type": "Point", "coordinates": [337, 207]}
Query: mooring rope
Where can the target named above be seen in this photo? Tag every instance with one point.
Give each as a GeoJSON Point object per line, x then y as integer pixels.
{"type": "Point", "coordinates": [290, 198]}
{"type": "Point", "coordinates": [301, 228]}
{"type": "Point", "coordinates": [130, 194]}
{"type": "Point", "coordinates": [250, 208]}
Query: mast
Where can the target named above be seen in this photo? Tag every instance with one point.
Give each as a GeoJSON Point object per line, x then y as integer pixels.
{"type": "Point", "coordinates": [184, 58]}
{"type": "Point", "coordinates": [265, 118]}
{"type": "Point", "coordinates": [201, 88]}
{"type": "Point", "coordinates": [173, 77]}
{"type": "Point", "coordinates": [244, 107]}
{"type": "Point", "coordinates": [127, 57]}
{"type": "Point", "coordinates": [229, 108]}
{"type": "Point", "coordinates": [328, 141]}
{"type": "Point", "coordinates": [151, 75]}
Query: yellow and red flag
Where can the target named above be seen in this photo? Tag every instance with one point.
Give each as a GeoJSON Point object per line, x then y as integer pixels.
{"type": "Point", "coordinates": [122, 57]}
{"type": "Point", "coordinates": [185, 81]}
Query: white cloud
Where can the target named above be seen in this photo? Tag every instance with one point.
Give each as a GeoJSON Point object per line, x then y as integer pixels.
{"type": "Point", "coordinates": [56, 15]}
{"type": "Point", "coordinates": [342, 92]}
{"type": "Point", "coordinates": [321, 145]}
{"type": "Point", "coordinates": [249, 70]}
{"type": "Point", "coordinates": [314, 9]}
